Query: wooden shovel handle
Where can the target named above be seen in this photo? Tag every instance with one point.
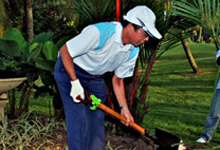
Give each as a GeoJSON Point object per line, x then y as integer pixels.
{"type": "Point", "coordinates": [116, 115]}
{"type": "Point", "coordinates": [122, 118]}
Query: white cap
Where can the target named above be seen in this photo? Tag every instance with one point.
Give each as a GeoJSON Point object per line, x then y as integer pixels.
{"type": "Point", "coordinates": [144, 17]}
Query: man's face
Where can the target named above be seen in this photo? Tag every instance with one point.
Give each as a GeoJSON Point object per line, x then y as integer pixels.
{"type": "Point", "coordinates": [137, 36]}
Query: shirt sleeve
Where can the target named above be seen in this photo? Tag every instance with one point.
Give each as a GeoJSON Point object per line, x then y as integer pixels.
{"type": "Point", "coordinates": [88, 39]}
{"type": "Point", "coordinates": [127, 68]}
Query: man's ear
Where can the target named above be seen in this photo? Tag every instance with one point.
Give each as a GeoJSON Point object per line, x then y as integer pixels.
{"type": "Point", "coordinates": [129, 26]}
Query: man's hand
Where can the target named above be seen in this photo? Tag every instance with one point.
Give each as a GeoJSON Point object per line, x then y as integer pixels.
{"type": "Point", "coordinates": [126, 113]}
{"type": "Point", "coordinates": [118, 86]}
{"type": "Point", "coordinates": [76, 90]}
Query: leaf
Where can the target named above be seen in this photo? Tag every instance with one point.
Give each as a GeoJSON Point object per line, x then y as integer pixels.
{"type": "Point", "coordinates": [45, 65]}
{"type": "Point", "coordinates": [50, 51]}
{"type": "Point", "coordinates": [34, 54]}
{"type": "Point", "coordinates": [92, 11]}
{"type": "Point", "coordinates": [43, 37]}
{"type": "Point", "coordinates": [15, 35]}
{"type": "Point", "coordinates": [33, 47]}
{"type": "Point", "coordinates": [9, 48]}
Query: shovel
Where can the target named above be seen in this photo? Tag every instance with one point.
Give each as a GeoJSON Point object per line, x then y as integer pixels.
{"type": "Point", "coordinates": [165, 140]}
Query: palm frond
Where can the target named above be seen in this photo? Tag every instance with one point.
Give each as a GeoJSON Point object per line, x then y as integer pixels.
{"type": "Point", "coordinates": [203, 12]}
{"type": "Point", "coordinates": [92, 11]}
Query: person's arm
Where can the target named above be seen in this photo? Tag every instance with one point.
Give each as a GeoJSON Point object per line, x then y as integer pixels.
{"type": "Point", "coordinates": [118, 86]}
{"type": "Point", "coordinates": [87, 40]}
{"type": "Point", "coordinates": [76, 87]}
{"type": "Point", "coordinates": [67, 62]}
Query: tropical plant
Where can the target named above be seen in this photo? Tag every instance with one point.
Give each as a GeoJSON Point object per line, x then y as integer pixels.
{"type": "Point", "coordinates": [35, 59]}
{"type": "Point", "coordinates": [11, 50]}
{"type": "Point", "coordinates": [205, 13]}
{"type": "Point", "coordinates": [180, 30]}
{"type": "Point", "coordinates": [93, 11]}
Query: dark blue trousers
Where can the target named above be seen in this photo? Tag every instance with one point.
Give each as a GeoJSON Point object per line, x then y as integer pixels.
{"type": "Point", "coordinates": [85, 128]}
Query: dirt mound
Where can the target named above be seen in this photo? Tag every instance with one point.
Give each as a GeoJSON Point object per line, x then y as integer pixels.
{"type": "Point", "coordinates": [128, 143]}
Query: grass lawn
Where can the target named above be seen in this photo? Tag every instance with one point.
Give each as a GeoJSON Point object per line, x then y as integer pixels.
{"type": "Point", "coordinates": [180, 100]}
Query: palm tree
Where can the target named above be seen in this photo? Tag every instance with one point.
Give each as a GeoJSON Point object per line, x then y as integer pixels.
{"type": "Point", "coordinates": [29, 25]}
{"type": "Point", "coordinates": [93, 11]}
{"type": "Point", "coordinates": [190, 57]}
{"type": "Point", "coordinates": [185, 45]}
{"type": "Point", "coordinates": [205, 13]}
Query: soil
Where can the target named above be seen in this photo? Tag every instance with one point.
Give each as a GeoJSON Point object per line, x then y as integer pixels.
{"type": "Point", "coordinates": [115, 142]}
{"type": "Point", "coordinates": [129, 142]}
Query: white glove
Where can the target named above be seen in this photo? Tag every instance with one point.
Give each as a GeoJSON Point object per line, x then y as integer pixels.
{"type": "Point", "coordinates": [76, 90]}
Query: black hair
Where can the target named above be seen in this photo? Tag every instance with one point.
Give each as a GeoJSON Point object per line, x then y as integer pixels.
{"type": "Point", "coordinates": [124, 23]}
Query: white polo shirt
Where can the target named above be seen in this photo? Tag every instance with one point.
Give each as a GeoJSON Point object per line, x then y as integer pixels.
{"type": "Point", "coordinates": [217, 56]}
{"type": "Point", "coordinates": [99, 49]}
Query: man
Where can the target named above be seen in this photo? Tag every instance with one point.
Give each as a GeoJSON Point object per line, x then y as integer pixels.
{"type": "Point", "coordinates": [98, 49]}
{"type": "Point", "coordinates": [214, 115]}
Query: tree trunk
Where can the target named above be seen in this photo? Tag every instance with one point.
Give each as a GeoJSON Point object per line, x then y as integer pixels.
{"type": "Point", "coordinates": [2, 17]}
{"type": "Point", "coordinates": [29, 26]}
{"type": "Point", "coordinates": [190, 57]}
{"type": "Point", "coordinates": [200, 38]}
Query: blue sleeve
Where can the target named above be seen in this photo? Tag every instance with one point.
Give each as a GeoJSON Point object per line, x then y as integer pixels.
{"type": "Point", "coordinates": [106, 30]}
